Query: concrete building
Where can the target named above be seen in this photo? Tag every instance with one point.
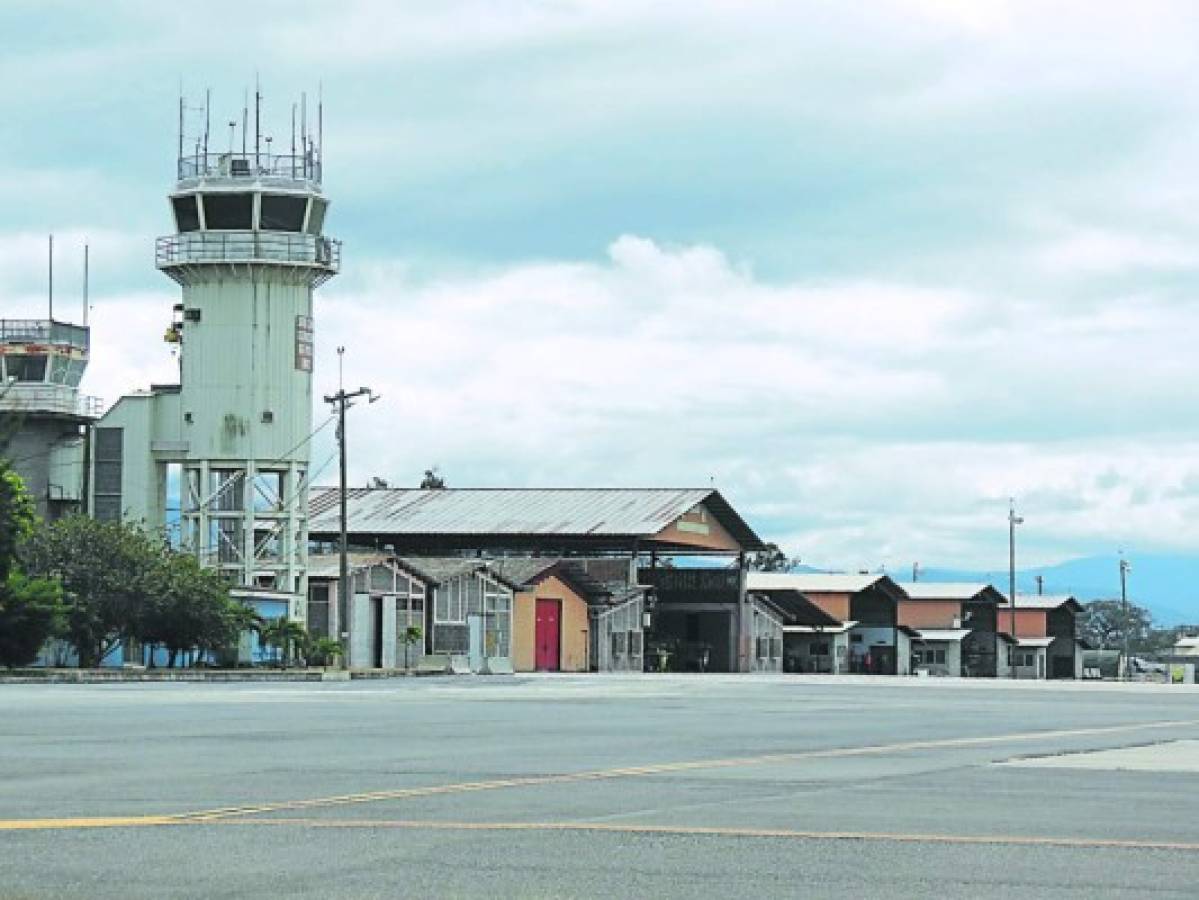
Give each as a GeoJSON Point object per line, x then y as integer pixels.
{"type": "Point", "coordinates": [44, 418]}
{"type": "Point", "coordinates": [866, 610]}
{"type": "Point", "coordinates": [1046, 631]}
{"type": "Point", "coordinates": [956, 625]}
{"type": "Point", "coordinates": [700, 616]}
{"type": "Point", "coordinates": [219, 461]}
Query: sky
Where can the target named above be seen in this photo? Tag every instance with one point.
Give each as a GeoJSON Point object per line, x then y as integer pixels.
{"type": "Point", "coordinates": [869, 269]}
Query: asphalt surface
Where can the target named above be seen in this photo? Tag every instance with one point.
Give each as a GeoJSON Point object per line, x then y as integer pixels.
{"type": "Point", "coordinates": [562, 786]}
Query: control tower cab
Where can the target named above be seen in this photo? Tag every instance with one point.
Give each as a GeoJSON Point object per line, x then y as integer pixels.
{"type": "Point", "coordinates": [43, 415]}
{"type": "Point", "coordinates": [220, 460]}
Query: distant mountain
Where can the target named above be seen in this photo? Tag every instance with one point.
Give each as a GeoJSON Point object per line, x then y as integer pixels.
{"type": "Point", "coordinates": [1168, 586]}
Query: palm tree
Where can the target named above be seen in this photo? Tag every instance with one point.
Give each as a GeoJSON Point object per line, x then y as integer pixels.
{"type": "Point", "coordinates": [285, 634]}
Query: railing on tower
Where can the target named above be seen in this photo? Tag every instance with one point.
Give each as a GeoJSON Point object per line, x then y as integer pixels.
{"type": "Point", "coordinates": [44, 331]}
{"type": "Point", "coordinates": [301, 167]}
{"type": "Point", "coordinates": [49, 399]}
{"type": "Point", "coordinates": [193, 247]}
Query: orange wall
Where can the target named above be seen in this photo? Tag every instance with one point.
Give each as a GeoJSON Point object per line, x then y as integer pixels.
{"type": "Point", "coordinates": [836, 605]}
{"type": "Point", "coordinates": [573, 622]}
{"type": "Point", "coordinates": [929, 613]}
{"type": "Point", "coordinates": [715, 538]}
{"type": "Point", "coordinates": [1030, 623]}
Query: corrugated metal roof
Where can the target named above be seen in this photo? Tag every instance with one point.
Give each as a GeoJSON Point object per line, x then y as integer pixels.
{"type": "Point", "coordinates": [933, 590]}
{"type": "Point", "coordinates": [810, 582]}
{"type": "Point", "coordinates": [1040, 601]}
{"type": "Point", "coordinates": [795, 608]}
{"type": "Point", "coordinates": [438, 570]}
{"type": "Point", "coordinates": [560, 512]}
{"type": "Point", "coordinates": [328, 565]}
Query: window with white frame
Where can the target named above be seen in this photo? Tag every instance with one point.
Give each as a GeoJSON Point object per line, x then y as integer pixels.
{"type": "Point", "coordinates": [450, 606]}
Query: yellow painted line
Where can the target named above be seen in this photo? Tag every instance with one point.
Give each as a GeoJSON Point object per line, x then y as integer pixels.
{"type": "Point", "coordinates": [688, 830]}
{"type": "Point", "coordinates": [96, 822]}
{"type": "Point", "coordinates": [230, 812]}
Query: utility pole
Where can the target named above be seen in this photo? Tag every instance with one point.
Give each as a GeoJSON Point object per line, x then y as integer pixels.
{"type": "Point", "coordinates": [343, 401]}
{"type": "Point", "coordinates": [1012, 521]}
{"type": "Point", "coordinates": [1125, 568]}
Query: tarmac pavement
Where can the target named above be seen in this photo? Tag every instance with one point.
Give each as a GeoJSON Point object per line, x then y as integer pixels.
{"type": "Point", "coordinates": [585, 786]}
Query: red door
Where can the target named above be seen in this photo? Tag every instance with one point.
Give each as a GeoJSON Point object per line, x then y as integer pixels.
{"type": "Point", "coordinates": [548, 636]}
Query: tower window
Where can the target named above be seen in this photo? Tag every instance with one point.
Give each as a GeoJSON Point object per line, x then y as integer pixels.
{"type": "Point", "coordinates": [282, 212]}
{"type": "Point", "coordinates": [228, 212]}
{"type": "Point", "coordinates": [26, 367]}
{"type": "Point", "coordinates": [187, 216]}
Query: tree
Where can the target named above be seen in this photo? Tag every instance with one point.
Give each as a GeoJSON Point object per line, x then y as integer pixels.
{"type": "Point", "coordinates": [286, 635]}
{"type": "Point", "coordinates": [105, 569]}
{"type": "Point", "coordinates": [188, 608]}
{"type": "Point", "coordinates": [323, 651]}
{"type": "Point", "coordinates": [432, 480]}
{"type": "Point", "coordinates": [30, 614]}
{"type": "Point", "coordinates": [771, 559]}
{"type": "Point", "coordinates": [1102, 624]}
{"type": "Point", "coordinates": [17, 517]}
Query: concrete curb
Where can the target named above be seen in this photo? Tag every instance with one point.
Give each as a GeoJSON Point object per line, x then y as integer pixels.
{"type": "Point", "coordinates": [194, 676]}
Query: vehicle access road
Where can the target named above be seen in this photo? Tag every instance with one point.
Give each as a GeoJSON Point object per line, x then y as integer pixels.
{"type": "Point", "coordinates": [600, 785]}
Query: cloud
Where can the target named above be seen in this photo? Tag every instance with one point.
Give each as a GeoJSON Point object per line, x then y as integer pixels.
{"type": "Point", "coordinates": [873, 268]}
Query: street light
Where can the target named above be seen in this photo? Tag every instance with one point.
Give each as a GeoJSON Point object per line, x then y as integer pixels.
{"type": "Point", "coordinates": [1125, 568]}
{"type": "Point", "coordinates": [1012, 521]}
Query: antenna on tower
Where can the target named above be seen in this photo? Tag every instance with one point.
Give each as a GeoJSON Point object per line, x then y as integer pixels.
{"type": "Point", "coordinates": [207, 108]}
{"type": "Point", "coordinates": [320, 127]}
{"type": "Point", "coordinates": [257, 119]}
{"type": "Point", "coordinates": [304, 128]}
{"type": "Point", "coordinates": [85, 279]}
{"type": "Point", "coordinates": [50, 283]}
{"type": "Point", "coordinates": [293, 139]}
{"type": "Point", "coordinates": [179, 158]}
{"type": "Point", "coordinates": [245, 120]}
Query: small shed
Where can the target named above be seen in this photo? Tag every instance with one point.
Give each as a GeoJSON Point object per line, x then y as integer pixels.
{"type": "Point", "coordinates": [469, 615]}
{"type": "Point", "coordinates": [373, 624]}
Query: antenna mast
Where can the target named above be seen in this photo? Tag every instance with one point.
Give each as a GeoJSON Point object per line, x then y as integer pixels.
{"type": "Point", "coordinates": [293, 139]}
{"type": "Point", "coordinates": [179, 158]}
{"type": "Point", "coordinates": [207, 108]}
{"type": "Point", "coordinates": [257, 120]}
{"type": "Point", "coordinates": [85, 278]}
{"type": "Point", "coordinates": [304, 128]}
{"type": "Point", "coordinates": [51, 278]}
{"type": "Point", "coordinates": [245, 120]}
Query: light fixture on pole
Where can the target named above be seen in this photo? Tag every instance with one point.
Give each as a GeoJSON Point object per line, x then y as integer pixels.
{"type": "Point", "coordinates": [1012, 520]}
{"type": "Point", "coordinates": [1125, 568]}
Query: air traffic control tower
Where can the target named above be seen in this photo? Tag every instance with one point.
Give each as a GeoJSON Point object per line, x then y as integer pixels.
{"type": "Point", "coordinates": [220, 460]}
